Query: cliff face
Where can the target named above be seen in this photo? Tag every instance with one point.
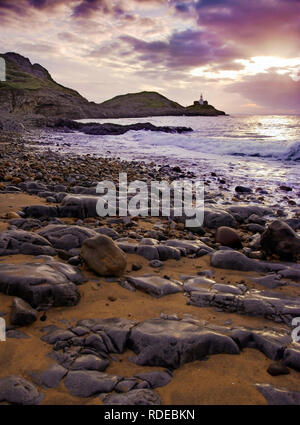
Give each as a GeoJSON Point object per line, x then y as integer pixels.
{"type": "Point", "coordinates": [29, 90]}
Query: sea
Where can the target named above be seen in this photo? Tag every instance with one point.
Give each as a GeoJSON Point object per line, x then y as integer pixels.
{"type": "Point", "coordinates": [251, 150]}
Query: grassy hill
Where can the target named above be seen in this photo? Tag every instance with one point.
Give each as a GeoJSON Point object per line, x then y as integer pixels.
{"type": "Point", "coordinates": [29, 90]}
{"type": "Point", "coordinates": [141, 104]}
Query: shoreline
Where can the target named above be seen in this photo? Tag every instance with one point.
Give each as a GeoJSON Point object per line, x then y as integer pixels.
{"type": "Point", "coordinates": [213, 379]}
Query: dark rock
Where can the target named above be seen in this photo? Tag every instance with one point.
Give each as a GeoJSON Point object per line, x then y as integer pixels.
{"type": "Point", "coordinates": [148, 251]}
{"type": "Point", "coordinates": [278, 396]}
{"type": "Point", "coordinates": [49, 378]}
{"type": "Point", "coordinates": [156, 378]}
{"type": "Point", "coordinates": [243, 189]}
{"type": "Point", "coordinates": [57, 335]}
{"type": "Point", "coordinates": [255, 228]}
{"type": "Point", "coordinates": [117, 330]}
{"type": "Point", "coordinates": [66, 237]}
{"type": "Point", "coordinates": [89, 382]}
{"type": "Point", "coordinates": [155, 263]}
{"type": "Point", "coordinates": [228, 237]}
{"type": "Point", "coordinates": [242, 213]}
{"type": "Point", "coordinates": [217, 218]}
{"type": "Point", "coordinates": [269, 281]}
{"type": "Point", "coordinates": [38, 211]}
{"type": "Point", "coordinates": [108, 232]}
{"type": "Point", "coordinates": [17, 390]}
{"type": "Point", "coordinates": [22, 313]}
{"type": "Point", "coordinates": [15, 333]}
{"type": "Point", "coordinates": [155, 285]}
{"type": "Point", "coordinates": [168, 252]}
{"type": "Point", "coordinates": [104, 256]}
{"type": "Point", "coordinates": [135, 397]}
{"type": "Point", "coordinates": [172, 343]}
{"type": "Point", "coordinates": [286, 188]}
{"type": "Point", "coordinates": [78, 206]}
{"type": "Point", "coordinates": [291, 358]}
{"type": "Point", "coordinates": [90, 362]}
{"type": "Point", "coordinates": [271, 305]}
{"type": "Point", "coordinates": [277, 368]}
{"type": "Point", "coordinates": [187, 247]}
{"type": "Point", "coordinates": [41, 284]}
{"type": "Point", "coordinates": [22, 242]}
{"type": "Point", "coordinates": [235, 260]}
{"type": "Point", "coordinates": [280, 239]}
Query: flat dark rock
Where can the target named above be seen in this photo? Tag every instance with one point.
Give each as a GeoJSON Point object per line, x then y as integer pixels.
{"type": "Point", "coordinates": [41, 284]}
{"type": "Point", "coordinates": [66, 237]}
{"type": "Point", "coordinates": [134, 397]}
{"type": "Point", "coordinates": [278, 396]}
{"type": "Point", "coordinates": [156, 378]}
{"type": "Point", "coordinates": [49, 378]}
{"type": "Point", "coordinates": [16, 390]}
{"type": "Point", "coordinates": [271, 305]}
{"type": "Point", "coordinates": [116, 129]}
{"type": "Point", "coordinates": [235, 260]}
{"type": "Point", "coordinates": [171, 343]}
{"type": "Point", "coordinates": [156, 286]}
{"type": "Point", "coordinates": [23, 242]}
{"type": "Point", "coordinates": [89, 382]}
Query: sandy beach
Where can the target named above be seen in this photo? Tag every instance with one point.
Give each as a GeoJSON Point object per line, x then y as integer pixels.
{"type": "Point", "coordinates": [220, 378]}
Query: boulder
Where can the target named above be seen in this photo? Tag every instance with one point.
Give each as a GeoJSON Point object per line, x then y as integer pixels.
{"type": "Point", "coordinates": [280, 239]}
{"type": "Point", "coordinates": [228, 237]}
{"type": "Point", "coordinates": [103, 256]}
{"type": "Point", "coordinates": [22, 313]}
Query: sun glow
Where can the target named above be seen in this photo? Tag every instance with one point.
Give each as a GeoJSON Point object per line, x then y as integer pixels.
{"type": "Point", "coordinates": [253, 66]}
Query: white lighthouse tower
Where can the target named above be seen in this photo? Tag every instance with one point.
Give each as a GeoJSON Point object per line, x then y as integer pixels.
{"type": "Point", "coordinates": [201, 101]}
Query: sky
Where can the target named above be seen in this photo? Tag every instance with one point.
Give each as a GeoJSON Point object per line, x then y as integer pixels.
{"type": "Point", "coordinates": [243, 55]}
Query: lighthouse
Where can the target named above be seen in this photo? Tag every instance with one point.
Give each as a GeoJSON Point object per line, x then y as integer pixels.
{"type": "Point", "coordinates": [201, 101]}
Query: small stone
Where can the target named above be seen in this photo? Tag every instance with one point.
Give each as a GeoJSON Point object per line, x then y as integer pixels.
{"type": "Point", "coordinates": [277, 368]}
{"type": "Point", "coordinates": [156, 263]}
{"type": "Point", "coordinates": [243, 189]}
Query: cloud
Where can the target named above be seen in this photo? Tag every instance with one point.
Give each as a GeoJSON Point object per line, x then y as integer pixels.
{"type": "Point", "coordinates": [271, 90]}
{"type": "Point", "coordinates": [183, 49]}
{"type": "Point", "coordinates": [263, 26]}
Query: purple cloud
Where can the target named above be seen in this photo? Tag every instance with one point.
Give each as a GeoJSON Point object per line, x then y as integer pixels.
{"type": "Point", "coordinates": [272, 90]}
